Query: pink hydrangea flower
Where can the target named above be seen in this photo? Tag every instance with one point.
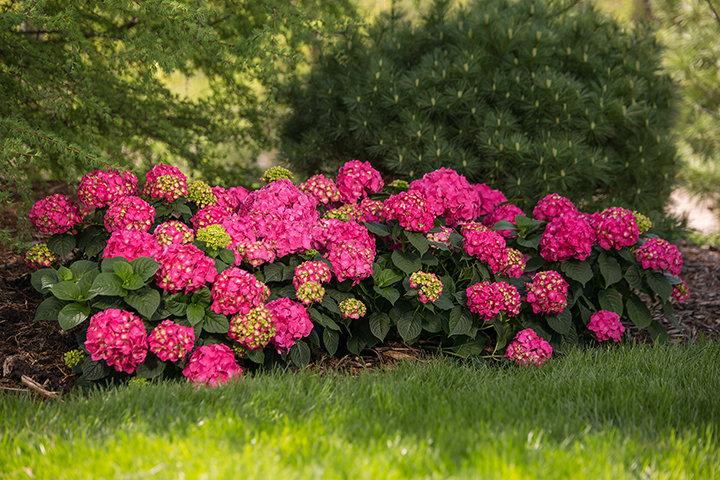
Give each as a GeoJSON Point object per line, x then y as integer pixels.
{"type": "Point", "coordinates": [615, 228]}
{"type": "Point", "coordinates": [552, 206]}
{"type": "Point", "coordinates": [322, 188]}
{"type": "Point", "coordinates": [212, 365]}
{"type": "Point", "coordinates": [411, 210]}
{"type": "Point", "coordinates": [606, 325]}
{"type": "Point", "coordinates": [448, 194]}
{"type": "Point", "coordinates": [173, 231]}
{"type": "Point", "coordinates": [310, 292]}
{"type": "Point", "coordinates": [292, 323]}
{"type": "Point", "coordinates": [527, 349]}
{"type": "Point", "coordinates": [443, 236]}
{"type": "Point", "coordinates": [184, 267]}
{"type": "Point", "coordinates": [352, 308]}
{"type": "Point", "coordinates": [487, 199]}
{"type": "Point", "coordinates": [129, 212]}
{"type": "Point", "coordinates": [680, 291]}
{"type": "Point", "coordinates": [253, 329]}
{"type": "Point", "coordinates": [39, 256]}
{"type": "Point", "coordinates": [119, 338]}
{"type": "Point", "coordinates": [208, 216]}
{"type": "Point", "coordinates": [229, 200]}
{"type": "Point", "coordinates": [55, 214]}
{"type": "Point", "coordinates": [489, 299]}
{"type": "Point", "coordinates": [429, 287]}
{"type": "Point", "coordinates": [506, 211]}
{"type": "Point", "coordinates": [257, 253]}
{"type": "Point", "coordinates": [170, 341]}
{"type": "Point", "coordinates": [515, 265]}
{"type": "Point", "coordinates": [349, 247]}
{"type": "Point", "coordinates": [547, 293]}
{"type": "Point", "coordinates": [565, 237]}
{"type": "Point", "coordinates": [102, 187]}
{"type": "Point", "coordinates": [165, 181]}
{"type": "Point", "coordinates": [236, 290]}
{"type": "Point", "coordinates": [659, 254]}
{"type": "Point", "coordinates": [131, 244]}
{"type": "Point", "coordinates": [485, 244]}
{"type": "Point", "coordinates": [318, 272]}
{"type": "Point", "coordinates": [356, 179]}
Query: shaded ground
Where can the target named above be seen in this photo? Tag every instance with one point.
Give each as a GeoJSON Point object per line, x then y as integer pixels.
{"type": "Point", "coordinates": [36, 349]}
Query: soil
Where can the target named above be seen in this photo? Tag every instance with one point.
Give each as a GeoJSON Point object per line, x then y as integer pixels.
{"type": "Point", "coordinates": [36, 349]}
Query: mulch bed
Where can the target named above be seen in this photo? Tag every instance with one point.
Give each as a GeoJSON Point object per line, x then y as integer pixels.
{"type": "Point", "coordinates": [36, 349]}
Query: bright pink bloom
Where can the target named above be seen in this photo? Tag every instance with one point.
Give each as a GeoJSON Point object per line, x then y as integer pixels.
{"type": "Point", "coordinates": [487, 199]}
{"type": "Point", "coordinates": [227, 200]}
{"type": "Point", "coordinates": [55, 214]}
{"type": "Point", "coordinates": [485, 244]}
{"type": "Point", "coordinates": [548, 292]}
{"type": "Point", "coordinates": [208, 216]}
{"type": "Point", "coordinates": [102, 187]}
{"type": "Point", "coordinates": [165, 181]}
{"type": "Point", "coordinates": [681, 291]}
{"type": "Point", "coordinates": [39, 256]}
{"type": "Point", "coordinates": [236, 290]}
{"type": "Point", "coordinates": [356, 179]}
{"type": "Point", "coordinates": [173, 231]}
{"type": "Point", "coordinates": [506, 211]}
{"type": "Point", "coordinates": [527, 349]}
{"type": "Point", "coordinates": [253, 329]}
{"type": "Point", "coordinates": [318, 272]}
{"type": "Point", "coordinates": [443, 236]}
{"type": "Point", "coordinates": [552, 206]}
{"type": "Point", "coordinates": [292, 323]}
{"type": "Point", "coordinates": [515, 265]}
{"type": "Point", "coordinates": [349, 247]}
{"type": "Point", "coordinates": [322, 188]}
{"type": "Point", "coordinates": [615, 228]}
{"type": "Point", "coordinates": [489, 299]}
{"type": "Point", "coordinates": [659, 254]}
{"type": "Point", "coordinates": [448, 194]}
{"type": "Point", "coordinates": [119, 338]}
{"type": "Point", "coordinates": [565, 237]}
{"type": "Point", "coordinates": [352, 308]}
{"type": "Point", "coordinates": [129, 212]}
{"type": "Point", "coordinates": [606, 325]}
{"type": "Point", "coordinates": [184, 267]}
{"type": "Point", "coordinates": [213, 365]}
{"type": "Point", "coordinates": [131, 244]}
{"type": "Point", "coordinates": [411, 210]}
{"type": "Point", "coordinates": [170, 341]}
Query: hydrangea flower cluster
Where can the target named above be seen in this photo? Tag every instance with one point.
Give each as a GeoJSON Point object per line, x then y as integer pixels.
{"type": "Point", "coordinates": [237, 291]}
{"type": "Point", "coordinates": [565, 237]}
{"type": "Point", "coordinates": [515, 265]}
{"type": "Point", "coordinates": [129, 212]}
{"type": "Point", "coordinates": [39, 256]}
{"type": "Point", "coordinates": [74, 358]}
{"type": "Point", "coordinates": [367, 210]}
{"type": "Point", "coordinates": [230, 199]}
{"type": "Point", "coordinates": [55, 214]}
{"type": "Point", "coordinates": [345, 213]}
{"type": "Point", "coordinates": [165, 181]}
{"type": "Point", "coordinates": [184, 267]}
{"type": "Point", "coordinates": [506, 211]}
{"type": "Point", "coordinates": [170, 341]}
{"type": "Point", "coordinates": [352, 308]}
{"type": "Point", "coordinates": [310, 292]}
{"type": "Point", "coordinates": [201, 194]}
{"type": "Point", "coordinates": [215, 236]}
{"type": "Point", "coordinates": [316, 272]}
{"type": "Point", "coordinates": [323, 189]}
{"type": "Point", "coordinates": [429, 287]}
{"type": "Point", "coordinates": [131, 244]}
{"type": "Point", "coordinates": [489, 299]}
{"type": "Point", "coordinates": [411, 209]}
{"type": "Point", "coordinates": [101, 188]}
{"type": "Point", "coordinates": [448, 194]}
{"type": "Point", "coordinates": [615, 228]}
{"type": "Point", "coordinates": [253, 329]}
{"type": "Point", "coordinates": [485, 244]}
{"type": "Point", "coordinates": [487, 199]}
{"type": "Point", "coordinates": [442, 236]}
{"type": "Point", "coordinates": [644, 224]}
{"type": "Point", "coordinates": [527, 349]}
{"type": "Point", "coordinates": [207, 216]}
{"type": "Point", "coordinates": [553, 206]}
{"type": "Point", "coordinates": [400, 184]}
{"type": "Point", "coordinates": [348, 246]}
{"type": "Point", "coordinates": [356, 179]}
{"type": "Point", "coordinates": [276, 173]}
{"type": "Point", "coordinates": [547, 293]}
{"type": "Point", "coordinates": [606, 325]}
{"type": "Point", "coordinates": [292, 323]}
{"type": "Point", "coordinates": [212, 365]}
{"type": "Point", "coordinates": [119, 338]}
{"type": "Point", "coordinates": [659, 254]}
{"type": "Point", "coordinates": [173, 231]}
{"type": "Point", "coordinates": [680, 291]}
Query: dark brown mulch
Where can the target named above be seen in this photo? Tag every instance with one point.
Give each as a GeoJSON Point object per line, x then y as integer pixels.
{"type": "Point", "coordinates": [36, 349]}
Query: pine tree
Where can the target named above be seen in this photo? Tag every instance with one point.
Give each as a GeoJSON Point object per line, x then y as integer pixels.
{"type": "Point", "coordinates": [80, 84]}
{"type": "Point", "coordinates": [530, 97]}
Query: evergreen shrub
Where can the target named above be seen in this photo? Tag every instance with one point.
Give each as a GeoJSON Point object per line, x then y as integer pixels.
{"type": "Point", "coordinates": [531, 97]}
{"type": "Point", "coordinates": [166, 279]}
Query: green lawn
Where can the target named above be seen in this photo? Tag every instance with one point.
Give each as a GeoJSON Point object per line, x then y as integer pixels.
{"type": "Point", "coordinates": [628, 412]}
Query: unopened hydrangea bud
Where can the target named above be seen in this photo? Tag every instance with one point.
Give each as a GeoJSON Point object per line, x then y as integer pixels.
{"type": "Point", "coordinates": [352, 308]}
{"type": "Point", "coordinates": [311, 252]}
{"type": "Point", "coordinates": [429, 286]}
{"type": "Point", "coordinates": [346, 213]}
{"type": "Point", "coordinates": [276, 173]}
{"type": "Point", "coordinates": [253, 329]}
{"type": "Point", "coordinates": [39, 256]}
{"type": "Point", "coordinates": [201, 194]}
{"type": "Point", "coordinates": [310, 292]}
{"type": "Point", "coordinates": [74, 357]}
{"type": "Point", "coordinates": [215, 236]}
{"type": "Point", "coordinates": [239, 350]}
{"type": "Point", "coordinates": [138, 382]}
{"type": "Point", "coordinates": [401, 184]}
{"type": "Point", "coordinates": [643, 222]}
